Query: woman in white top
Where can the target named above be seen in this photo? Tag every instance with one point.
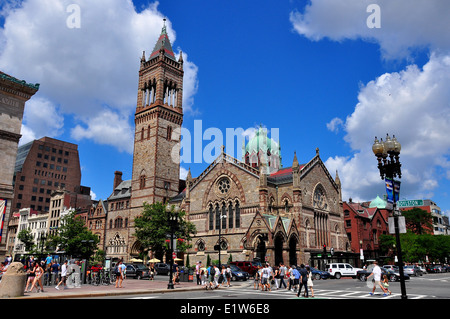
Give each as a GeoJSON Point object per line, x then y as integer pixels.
{"type": "Point", "coordinates": [310, 282]}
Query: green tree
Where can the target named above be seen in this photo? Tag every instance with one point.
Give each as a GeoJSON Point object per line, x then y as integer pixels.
{"type": "Point", "coordinates": [419, 221]}
{"type": "Point", "coordinates": [26, 238]}
{"type": "Point", "coordinates": [75, 238]}
{"type": "Point", "coordinates": [152, 228]}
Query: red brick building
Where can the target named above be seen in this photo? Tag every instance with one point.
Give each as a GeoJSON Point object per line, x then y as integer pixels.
{"type": "Point", "coordinates": [42, 166]}
{"type": "Point", "coordinates": [364, 223]}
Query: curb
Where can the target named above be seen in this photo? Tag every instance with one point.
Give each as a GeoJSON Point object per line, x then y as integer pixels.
{"type": "Point", "coordinates": [102, 293]}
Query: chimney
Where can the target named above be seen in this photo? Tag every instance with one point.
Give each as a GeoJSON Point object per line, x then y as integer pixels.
{"type": "Point", "coordinates": [117, 179]}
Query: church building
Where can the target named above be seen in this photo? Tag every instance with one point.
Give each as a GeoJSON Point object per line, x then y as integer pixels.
{"type": "Point", "coordinates": [251, 207]}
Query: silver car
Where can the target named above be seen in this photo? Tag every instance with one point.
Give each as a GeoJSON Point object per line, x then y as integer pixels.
{"type": "Point", "coordinates": [412, 271]}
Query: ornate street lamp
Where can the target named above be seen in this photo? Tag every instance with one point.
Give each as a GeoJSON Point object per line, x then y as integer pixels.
{"type": "Point", "coordinates": [387, 154]}
{"type": "Point", "coordinates": [173, 219]}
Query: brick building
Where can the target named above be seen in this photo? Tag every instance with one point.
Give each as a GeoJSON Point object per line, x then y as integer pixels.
{"type": "Point", "coordinates": [364, 223]}
{"type": "Point", "coordinates": [14, 93]}
{"type": "Point", "coordinates": [41, 167]}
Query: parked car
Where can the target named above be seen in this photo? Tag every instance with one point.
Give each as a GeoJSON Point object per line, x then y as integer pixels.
{"type": "Point", "coordinates": [446, 268]}
{"type": "Point", "coordinates": [412, 270]}
{"type": "Point", "coordinates": [422, 268]}
{"type": "Point", "coordinates": [319, 274]}
{"type": "Point", "coordinates": [434, 268]}
{"type": "Point", "coordinates": [393, 275]}
{"type": "Point", "coordinates": [238, 274]}
{"type": "Point", "coordinates": [338, 270]}
{"type": "Point", "coordinates": [391, 267]}
{"type": "Point", "coordinates": [162, 268]}
{"type": "Point", "coordinates": [137, 271]}
{"type": "Point", "coordinates": [248, 266]}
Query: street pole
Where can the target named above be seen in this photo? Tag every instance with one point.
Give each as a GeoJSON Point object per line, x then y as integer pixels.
{"type": "Point", "coordinates": [170, 285]}
{"type": "Point", "coordinates": [399, 252]}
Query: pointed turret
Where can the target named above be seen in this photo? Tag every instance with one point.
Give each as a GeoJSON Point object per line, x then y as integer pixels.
{"type": "Point", "coordinates": [163, 45]}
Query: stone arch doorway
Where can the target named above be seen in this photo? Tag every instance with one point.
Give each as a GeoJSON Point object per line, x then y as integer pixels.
{"type": "Point", "coordinates": [279, 241]}
{"type": "Point", "coordinates": [261, 249]}
{"type": "Point", "coordinates": [293, 250]}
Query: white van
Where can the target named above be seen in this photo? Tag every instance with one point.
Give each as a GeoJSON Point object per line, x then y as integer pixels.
{"type": "Point", "coordinates": [338, 270]}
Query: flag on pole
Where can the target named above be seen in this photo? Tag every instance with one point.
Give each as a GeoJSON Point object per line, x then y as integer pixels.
{"type": "Point", "coordinates": [2, 215]}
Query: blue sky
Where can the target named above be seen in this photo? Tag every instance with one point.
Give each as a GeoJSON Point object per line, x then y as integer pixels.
{"type": "Point", "coordinates": [312, 69]}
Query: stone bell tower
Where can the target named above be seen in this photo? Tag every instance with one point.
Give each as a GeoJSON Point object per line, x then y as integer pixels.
{"type": "Point", "coordinates": [158, 119]}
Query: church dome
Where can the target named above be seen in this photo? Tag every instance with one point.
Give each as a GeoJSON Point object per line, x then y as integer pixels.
{"type": "Point", "coordinates": [262, 148]}
{"type": "Point", "coordinates": [378, 202]}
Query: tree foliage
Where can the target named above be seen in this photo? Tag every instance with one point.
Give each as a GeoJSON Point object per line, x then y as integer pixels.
{"type": "Point", "coordinates": [417, 247]}
{"type": "Point", "coordinates": [75, 238]}
{"type": "Point", "coordinates": [152, 228]}
{"type": "Point", "coordinates": [419, 221]}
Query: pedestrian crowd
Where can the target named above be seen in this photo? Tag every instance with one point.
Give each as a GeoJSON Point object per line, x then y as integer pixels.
{"type": "Point", "coordinates": [266, 278]}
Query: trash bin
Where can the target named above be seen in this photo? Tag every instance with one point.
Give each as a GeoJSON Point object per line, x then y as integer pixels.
{"type": "Point", "coordinates": [191, 275]}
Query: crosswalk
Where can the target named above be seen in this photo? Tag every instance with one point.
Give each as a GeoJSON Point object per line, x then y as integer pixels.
{"type": "Point", "coordinates": [245, 290]}
{"type": "Point", "coordinates": [318, 294]}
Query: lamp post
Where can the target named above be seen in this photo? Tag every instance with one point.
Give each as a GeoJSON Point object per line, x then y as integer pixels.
{"type": "Point", "coordinates": [387, 154]}
{"type": "Point", "coordinates": [172, 218]}
{"type": "Point", "coordinates": [220, 234]}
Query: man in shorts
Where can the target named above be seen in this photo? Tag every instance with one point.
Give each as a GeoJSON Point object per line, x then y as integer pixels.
{"type": "Point", "coordinates": [63, 276]}
{"type": "Point", "coordinates": [376, 272]}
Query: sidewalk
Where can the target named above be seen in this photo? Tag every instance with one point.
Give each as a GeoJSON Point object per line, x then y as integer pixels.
{"type": "Point", "coordinates": [129, 287]}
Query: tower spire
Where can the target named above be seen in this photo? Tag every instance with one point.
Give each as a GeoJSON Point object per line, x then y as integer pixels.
{"type": "Point", "coordinates": [163, 44]}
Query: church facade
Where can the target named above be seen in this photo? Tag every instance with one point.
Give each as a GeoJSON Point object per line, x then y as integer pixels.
{"type": "Point", "coordinates": [250, 208]}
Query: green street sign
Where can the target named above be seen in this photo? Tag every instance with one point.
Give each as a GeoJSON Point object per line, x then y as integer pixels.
{"type": "Point", "coordinates": [409, 203]}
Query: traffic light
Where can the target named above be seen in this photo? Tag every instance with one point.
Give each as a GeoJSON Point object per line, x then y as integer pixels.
{"type": "Point", "coordinates": [325, 250]}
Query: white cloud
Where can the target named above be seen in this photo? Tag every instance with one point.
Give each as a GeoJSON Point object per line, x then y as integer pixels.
{"type": "Point", "coordinates": [107, 127]}
{"type": "Point", "coordinates": [88, 69]}
{"type": "Point", "coordinates": [405, 24]}
{"type": "Point", "coordinates": [41, 118]}
{"type": "Point", "coordinates": [412, 104]}
{"type": "Point", "coordinates": [183, 173]}
{"type": "Point", "coordinates": [335, 124]}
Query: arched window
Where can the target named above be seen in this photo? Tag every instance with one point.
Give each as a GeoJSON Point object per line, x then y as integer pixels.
{"type": "Point", "coordinates": [211, 218]}
{"type": "Point", "coordinates": [238, 215]}
{"type": "Point", "coordinates": [142, 182]}
{"type": "Point", "coordinates": [319, 200]}
{"type": "Point", "coordinates": [148, 132]}
{"type": "Point", "coordinates": [217, 216]}
{"type": "Point", "coordinates": [230, 215]}
{"type": "Point", "coordinates": [169, 133]}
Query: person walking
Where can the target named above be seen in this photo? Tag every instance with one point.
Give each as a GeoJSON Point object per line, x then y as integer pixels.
{"type": "Point", "coordinates": [63, 276]}
{"type": "Point", "coordinates": [31, 269]}
{"type": "Point", "coordinates": [216, 277]}
{"type": "Point", "coordinates": [296, 275]}
{"type": "Point", "coordinates": [39, 272]}
{"type": "Point", "coordinates": [198, 272]}
{"type": "Point", "coordinates": [303, 281]}
{"type": "Point", "coordinates": [210, 275]}
{"type": "Point", "coordinates": [265, 274]}
{"type": "Point", "coordinates": [120, 274]}
{"type": "Point", "coordinates": [376, 273]}
{"type": "Point", "coordinates": [228, 275]}
{"type": "Point", "coordinates": [282, 273]}
{"type": "Point", "coordinates": [310, 281]}
{"type": "Point", "coordinates": [257, 279]}
{"type": "Point", "coordinates": [386, 283]}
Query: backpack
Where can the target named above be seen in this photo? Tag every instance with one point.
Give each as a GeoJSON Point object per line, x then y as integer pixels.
{"type": "Point", "coordinates": [116, 270]}
{"type": "Point", "coordinates": [212, 271]}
